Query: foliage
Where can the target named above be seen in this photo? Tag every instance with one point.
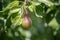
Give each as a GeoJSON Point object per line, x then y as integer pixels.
{"type": "Point", "coordinates": [45, 15]}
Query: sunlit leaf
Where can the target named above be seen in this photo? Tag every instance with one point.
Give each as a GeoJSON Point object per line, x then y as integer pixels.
{"type": "Point", "coordinates": [17, 20]}
{"type": "Point", "coordinates": [12, 5]}
{"type": "Point", "coordinates": [46, 2]}
{"type": "Point", "coordinates": [31, 8]}
{"type": "Point", "coordinates": [54, 24]}
{"type": "Point", "coordinates": [15, 10]}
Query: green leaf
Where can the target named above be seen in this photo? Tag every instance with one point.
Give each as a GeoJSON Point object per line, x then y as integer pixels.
{"type": "Point", "coordinates": [46, 2]}
{"type": "Point", "coordinates": [12, 5]}
{"type": "Point", "coordinates": [53, 23]}
{"type": "Point", "coordinates": [36, 3]}
{"type": "Point", "coordinates": [50, 9]}
{"type": "Point", "coordinates": [17, 20]}
{"type": "Point", "coordinates": [31, 7]}
{"type": "Point", "coordinates": [37, 15]}
{"type": "Point", "coordinates": [14, 10]}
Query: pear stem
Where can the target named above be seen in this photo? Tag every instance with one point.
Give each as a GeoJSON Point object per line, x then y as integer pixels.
{"type": "Point", "coordinates": [24, 6]}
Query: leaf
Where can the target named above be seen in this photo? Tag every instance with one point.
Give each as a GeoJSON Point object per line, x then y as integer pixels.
{"type": "Point", "coordinates": [37, 15]}
{"type": "Point", "coordinates": [50, 9]}
{"type": "Point", "coordinates": [53, 23]}
{"type": "Point", "coordinates": [36, 3]}
{"type": "Point", "coordinates": [15, 10]}
{"type": "Point", "coordinates": [31, 7]}
{"type": "Point", "coordinates": [46, 2]}
{"type": "Point", "coordinates": [12, 5]}
{"type": "Point", "coordinates": [17, 20]}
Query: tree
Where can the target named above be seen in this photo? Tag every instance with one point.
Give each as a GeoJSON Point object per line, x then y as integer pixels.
{"type": "Point", "coordinates": [43, 20]}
